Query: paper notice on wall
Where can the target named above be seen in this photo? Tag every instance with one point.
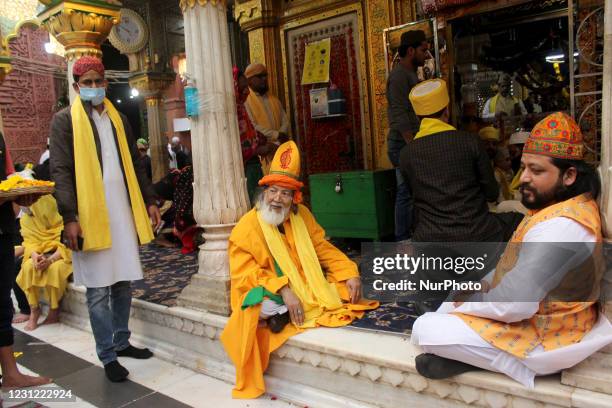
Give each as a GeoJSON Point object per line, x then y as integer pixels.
{"type": "Point", "coordinates": [316, 62]}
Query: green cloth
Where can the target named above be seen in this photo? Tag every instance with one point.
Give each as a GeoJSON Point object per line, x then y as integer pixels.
{"type": "Point", "coordinates": [257, 294]}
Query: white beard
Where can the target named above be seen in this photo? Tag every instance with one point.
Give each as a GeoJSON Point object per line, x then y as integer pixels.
{"type": "Point", "coordinates": [270, 216]}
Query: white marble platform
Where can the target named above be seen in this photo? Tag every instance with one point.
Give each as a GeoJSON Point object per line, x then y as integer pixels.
{"type": "Point", "coordinates": [332, 367]}
{"type": "Point", "coordinates": [180, 383]}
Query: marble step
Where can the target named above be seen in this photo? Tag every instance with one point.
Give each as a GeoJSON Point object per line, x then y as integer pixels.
{"type": "Point", "coordinates": [334, 367]}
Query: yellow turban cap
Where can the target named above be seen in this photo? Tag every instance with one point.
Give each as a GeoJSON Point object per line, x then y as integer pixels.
{"type": "Point", "coordinates": [557, 135]}
{"type": "Point", "coordinates": [489, 133]}
{"type": "Point", "coordinates": [285, 170]}
{"type": "Point", "coordinates": [429, 97]}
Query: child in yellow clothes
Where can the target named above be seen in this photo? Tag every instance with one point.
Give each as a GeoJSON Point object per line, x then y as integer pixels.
{"type": "Point", "coordinates": [47, 263]}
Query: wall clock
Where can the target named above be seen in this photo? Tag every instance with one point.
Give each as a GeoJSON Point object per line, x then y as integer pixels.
{"type": "Point", "coordinates": [131, 34]}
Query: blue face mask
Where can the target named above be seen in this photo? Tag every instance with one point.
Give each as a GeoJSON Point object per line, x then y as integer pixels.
{"type": "Point", "coordinates": [94, 95]}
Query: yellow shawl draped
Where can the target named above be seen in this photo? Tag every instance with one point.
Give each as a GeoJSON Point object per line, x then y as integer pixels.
{"type": "Point", "coordinates": [260, 113]}
{"type": "Point", "coordinates": [504, 186]}
{"type": "Point", "coordinates": [92, 210]}
{"type": "Point", "coordinates": [316, 294]}
{"type": "Point", "coordinates": [41, 231]}
{"type": "Point", "coordinates": [431, 126]}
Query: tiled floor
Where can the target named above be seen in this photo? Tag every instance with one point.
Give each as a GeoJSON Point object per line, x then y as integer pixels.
{"type": "Point", "coordinates": [68, 356]}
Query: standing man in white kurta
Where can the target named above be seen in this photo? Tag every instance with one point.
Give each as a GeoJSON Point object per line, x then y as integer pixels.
{"type": "Point", "coordinates": [107, 203]}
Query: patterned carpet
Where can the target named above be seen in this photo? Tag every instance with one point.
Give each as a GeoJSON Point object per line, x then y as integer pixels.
{"type": "Point", "coordinates": [166, 273]}
{"type": "Point", "coordinates": [391, 317]}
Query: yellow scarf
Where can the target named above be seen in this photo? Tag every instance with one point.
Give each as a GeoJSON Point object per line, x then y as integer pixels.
{"type": "Point", "coordinates": [516, 182]}
{"type": "Point", "coordinates": [503, 183]}
{"type": "Point", "coordinates": [41, 231]}
{"type": "Point", "coordinates": [93, 214]}
{"type": "Point", "coordinates": [431, 126]}
{"type": "Point", "coordinates": [316, 293]}
{"type": "Point", "coordinates": [260, 113]}
{"type": "Point", "coordinates": [501, 103]}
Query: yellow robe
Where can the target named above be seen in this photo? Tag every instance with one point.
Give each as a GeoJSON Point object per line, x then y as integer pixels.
{"type": "Point", "coordinates": [251, 265]}
{"type": "Point", "coordinates": [41, 233]}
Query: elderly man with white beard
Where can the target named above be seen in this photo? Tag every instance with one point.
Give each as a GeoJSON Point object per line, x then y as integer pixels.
{"type": "Point", "coordinates": [277, 255]}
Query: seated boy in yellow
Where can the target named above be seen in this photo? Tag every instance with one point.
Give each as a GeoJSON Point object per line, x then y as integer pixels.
{"type": "Point", "coordinates": [277, 255]}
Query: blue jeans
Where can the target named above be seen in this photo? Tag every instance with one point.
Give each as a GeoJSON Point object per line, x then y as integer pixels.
{"type": "Point", "coordinates": [404, 208]}
{"type": "Point", "coordinates": [404, 204]}
{"type": "Point", "coordinates": [109, 313]}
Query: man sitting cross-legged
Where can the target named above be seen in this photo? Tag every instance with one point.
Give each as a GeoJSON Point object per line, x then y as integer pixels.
{"type": "Point", "coordinates": [540, 314]}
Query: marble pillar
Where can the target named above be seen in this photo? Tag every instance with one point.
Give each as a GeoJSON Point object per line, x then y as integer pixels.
{"type": "Point", "coordinates": [157, 140]}
{"type": "Point", "coordinates": [220, 196]}
{"type": "Point", "coordinates": [150, 85]}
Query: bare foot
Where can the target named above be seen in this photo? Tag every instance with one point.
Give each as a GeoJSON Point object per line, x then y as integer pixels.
{"type": "Point", "coordinates": [33, 321]}
{"type": "Point", "coordinates": [52, 317]}
{"type": "Point", "coordinates": [22, 381]}
{"type": "Point", "coordinates": [20, 318]}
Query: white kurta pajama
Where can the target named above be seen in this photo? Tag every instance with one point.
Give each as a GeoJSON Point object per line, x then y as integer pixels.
{"type": "Point", "coordinates": [121, 262]}
{"type": "Point", "coordinates": [459, 342]}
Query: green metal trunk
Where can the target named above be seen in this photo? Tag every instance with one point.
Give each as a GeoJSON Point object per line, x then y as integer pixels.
{"type": "Point", "coordinates": [363, 208]}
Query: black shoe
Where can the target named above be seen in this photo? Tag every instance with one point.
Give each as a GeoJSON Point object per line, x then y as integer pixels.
{"type": "Point", "coordinates": [115, 371]}
{"type": "Point", "coordinates": [131, 351]}
{"type": "Point", "coordinates": [439, 368]}
{"type": "Point", "coordinates": [278, 322]}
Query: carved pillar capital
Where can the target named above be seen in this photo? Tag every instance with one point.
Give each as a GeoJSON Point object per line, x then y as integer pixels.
{"type": "Point", "coordinates": [150, 84]}
{"type": "Point", "coordinates": [187, 4]}
{"type": "Point", "coordinates": [255, 14]}
{"type": "Point", "coordinates": [80, 26]}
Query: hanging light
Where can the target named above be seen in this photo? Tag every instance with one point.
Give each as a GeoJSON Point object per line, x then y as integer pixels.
{"type": "Point", "coordinates": [49, 48]}
{"type": "Point", "coordinates": [557, 58]}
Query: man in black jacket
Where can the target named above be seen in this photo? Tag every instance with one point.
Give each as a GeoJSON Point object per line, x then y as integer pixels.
{"type": "Point", "coordinates": [451, 176]}
{"type": "Point", "coordinates": [105, 199]}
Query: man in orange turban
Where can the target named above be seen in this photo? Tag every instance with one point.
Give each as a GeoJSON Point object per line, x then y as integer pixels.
{"type": "Point", "coordinates": [277, 255]}
{"type": "Point", "coordinates": [538, 314]}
